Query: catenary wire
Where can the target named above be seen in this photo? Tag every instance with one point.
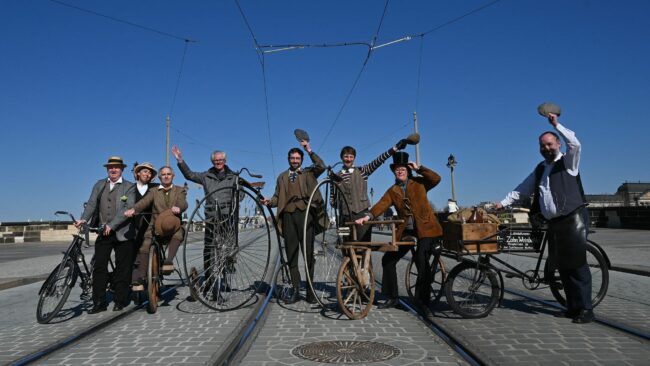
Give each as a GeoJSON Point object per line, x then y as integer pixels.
{"type": "Point", "coordinates": [124, 21]}
{"type": "Point", "coordinates": [178, 79]}
{"type": "Point", "coordinates": [356, 80]}
{"type": "Point", "coordinates": [262, 61]}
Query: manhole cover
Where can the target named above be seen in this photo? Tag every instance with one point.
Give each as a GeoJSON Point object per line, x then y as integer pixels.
{"type": "Point", "coordinates": [346, 351]}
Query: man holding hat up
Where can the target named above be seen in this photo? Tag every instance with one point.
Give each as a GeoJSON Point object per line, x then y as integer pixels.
{"type": "Point", "coordinates": [409, 197]}
{"type": "Point", "coordinates": [167, 202]}
{"type": "Point", "coordinates": [106, 205]}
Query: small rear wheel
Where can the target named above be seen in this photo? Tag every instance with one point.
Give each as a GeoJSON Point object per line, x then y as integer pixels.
{"type": "Point", "coordinates": [472, 290]}
{"type": "Point", "coordinates": [55, 292]}
{"type": "Point", "coordinates": [355, 295]}
{"type": "Point", "coordinates": [153, 280]}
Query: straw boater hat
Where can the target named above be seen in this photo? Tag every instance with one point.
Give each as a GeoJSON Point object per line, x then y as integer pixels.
{"type": "Point", "coordinates": [400, 158]}
{"type": "Point", "coordinates": [115, 160]}
{"type": "Point", "coordinates": [167, 223]}
{"type": "Point", "coordinates": [143, 166]}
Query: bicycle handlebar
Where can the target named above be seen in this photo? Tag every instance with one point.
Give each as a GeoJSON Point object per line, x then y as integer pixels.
{"type": "Point", "coordinates": [248, 172]}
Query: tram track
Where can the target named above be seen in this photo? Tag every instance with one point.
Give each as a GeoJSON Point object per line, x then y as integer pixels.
{"type": "Point", "coordinates": [80, 335]}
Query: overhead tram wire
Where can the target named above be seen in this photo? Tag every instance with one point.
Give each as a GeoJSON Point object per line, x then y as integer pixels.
{"type": "Point", "coordinates": [356, 80]}
{"type": "Point", "coordinates": [262, 61]}
{"type": "Point", "coordinates": [167, 34]}
{"type": "Point", "coordinates": [178, 79]}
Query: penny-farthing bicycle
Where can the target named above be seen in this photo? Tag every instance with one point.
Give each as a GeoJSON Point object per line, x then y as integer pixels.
{"type": "Point", "coordinates": [326, 220]}
{"type": "Point", "coordinates": [227, 247]}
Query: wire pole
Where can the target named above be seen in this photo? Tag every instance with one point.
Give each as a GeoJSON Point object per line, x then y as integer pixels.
{"type": "Point", "coordinates": [167, 122]}
{"type": "Point", "coordinates": [417, 146]}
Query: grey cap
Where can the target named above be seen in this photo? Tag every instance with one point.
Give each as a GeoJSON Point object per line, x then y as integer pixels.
{"type": "Point", "coordinates": [545, 108]}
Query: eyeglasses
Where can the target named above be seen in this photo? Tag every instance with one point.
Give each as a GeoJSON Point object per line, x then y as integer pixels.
{"type": "Point", "coordinates": [219, 161]}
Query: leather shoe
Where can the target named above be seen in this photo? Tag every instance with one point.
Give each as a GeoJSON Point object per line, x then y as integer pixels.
{"type": "Point", "coordinates": [584, 317]}
{"type": "Point", "coordinates": [97, 308]}
{"type": "Point", "coordinates": [118, 307]}
{"type": "Point", "coordinates": [295, 296]}
{"type": "Point", "coordinates": [390, 303]}
{"type": "Point", "coordinates": [571, 313]}
{"type": "Point", "coordinates": [311, 299]}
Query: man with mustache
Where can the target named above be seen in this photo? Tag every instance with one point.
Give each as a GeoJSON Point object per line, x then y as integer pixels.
{"type": "Point", "coordinates": [559, 197]}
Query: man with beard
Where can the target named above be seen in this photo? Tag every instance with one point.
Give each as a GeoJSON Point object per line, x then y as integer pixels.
{"type": "Point", "coordinates": [559, 197]}
{"type": "Point", "coordinates": [292, 191]}
{"type": "Point", "coordinates": [107, 203]}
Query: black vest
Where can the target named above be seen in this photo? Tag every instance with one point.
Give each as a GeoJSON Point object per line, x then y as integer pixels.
{"type": "Point", "coordinates": [566, 189]}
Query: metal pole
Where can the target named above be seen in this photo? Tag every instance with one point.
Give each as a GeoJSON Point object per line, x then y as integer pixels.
{"type": "Point", "coordinates": [167, 142]}
{"type": "Point", "coordinates": [417, 146]}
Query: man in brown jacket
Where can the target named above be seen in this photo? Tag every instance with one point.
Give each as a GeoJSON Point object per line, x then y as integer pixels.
{"type": "Point", "coordinates": [292, 191]}
{"type": "Point", "coordinates": [166, 197]}
{"type": "Point", "coordinates": [409, 197]}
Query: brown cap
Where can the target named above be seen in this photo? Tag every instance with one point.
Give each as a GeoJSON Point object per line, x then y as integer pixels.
{"type": "Point", "coordinates": [167, 223]}
{"type": "Point", "coordinates": [143, 166]}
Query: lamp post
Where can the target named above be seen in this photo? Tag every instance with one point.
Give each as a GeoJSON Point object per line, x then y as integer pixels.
{"type": "Point", "coordinates": [451, 164]}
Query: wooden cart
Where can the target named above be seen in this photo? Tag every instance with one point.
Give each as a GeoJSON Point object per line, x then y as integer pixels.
{"type": "Point", "coordinates": [355, 283]}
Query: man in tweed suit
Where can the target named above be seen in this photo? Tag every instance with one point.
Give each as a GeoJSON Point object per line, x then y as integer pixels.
{"type": "Point", "coordinates": [106, 205]}
{"type": "Point", "coordinates": [292, 191]}
{"type": "Point", "coordinates": [166, 197]}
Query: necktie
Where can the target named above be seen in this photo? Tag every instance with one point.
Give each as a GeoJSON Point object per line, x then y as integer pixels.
{"type": "Point", "coordinates": [292, 176]}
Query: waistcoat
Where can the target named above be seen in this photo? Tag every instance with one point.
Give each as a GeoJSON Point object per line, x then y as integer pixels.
{"type": "Point", "coordinates": [566, 189]}
{"type": "Point", "coordinates": [356, 192]}
{"type": "Point", "coordinates": [108, 204]}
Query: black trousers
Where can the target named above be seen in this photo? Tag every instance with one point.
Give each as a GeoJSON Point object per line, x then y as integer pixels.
{"type": "Point", "coordinates": [577, 288]}
{"type": "Point", "coordinates": [423, 251]}
{"type": "Point", "coordinates": [123, 266]}
{"type": "Point", "coordinates": [292, 231]}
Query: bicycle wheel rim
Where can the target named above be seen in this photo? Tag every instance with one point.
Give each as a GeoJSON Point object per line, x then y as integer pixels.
{"type": "Point", "coordinates": [152, 279]}
{"type": "Point", "coordinates": [327, 257]}
{"type": "Point", "coordinates": [226, 262]}
{"type": "Point", "coordinates": [55, 292]}
{"type": "Point", "coordinates": [471, 291]}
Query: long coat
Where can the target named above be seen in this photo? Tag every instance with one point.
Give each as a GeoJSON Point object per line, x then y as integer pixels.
{"type": "Point", "coordinates": [156, 200]}
{"type": "Point", "coordinates": [426, 223]}
{"type": "Point", "coordinates": [308, 179]}
{"type": "Point", "coordinates": [122, 225]}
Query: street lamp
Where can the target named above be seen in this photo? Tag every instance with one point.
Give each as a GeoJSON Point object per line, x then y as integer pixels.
{"type": "Point", "coordinates": [451, 164]}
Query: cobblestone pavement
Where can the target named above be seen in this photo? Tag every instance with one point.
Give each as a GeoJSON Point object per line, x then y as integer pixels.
{"type": "Point", "coordinates": [181, 333]}
{"type": "Point", "coordinates": [291, 326]}
{"type": "Point", "coordinates": [519, 331]}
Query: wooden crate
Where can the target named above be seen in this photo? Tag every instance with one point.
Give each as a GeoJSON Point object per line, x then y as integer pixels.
{"type": "Point", "coordinates": [454, 233]}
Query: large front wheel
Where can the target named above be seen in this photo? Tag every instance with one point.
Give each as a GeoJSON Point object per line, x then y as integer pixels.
{"type": "Point", "coordinates": [325, 222]}
{"type": "Point", "coordinates": [599, 277]}
{"type": "Point", "coordinates": [55, 292]}
{"type": "Point", "coordinates": [227, 249]}
{"type": "Point", "coordinates": [472, 290]}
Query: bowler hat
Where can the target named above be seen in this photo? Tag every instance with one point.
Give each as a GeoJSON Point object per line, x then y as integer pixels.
{"type": "Point", "coordinates": [145, 166]}
{"type": "Point", "coordinates": [167, 223]}
{"type": "Point", "coordinates": [115, 160]}
{"type": "Point", "coordinates": [400, 158]}
{"type": "Point", "coordinates": [545, 108]}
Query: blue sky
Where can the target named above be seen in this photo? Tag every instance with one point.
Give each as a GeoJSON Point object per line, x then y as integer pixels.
{"type": "Point", "coordinates": [76, 88]}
